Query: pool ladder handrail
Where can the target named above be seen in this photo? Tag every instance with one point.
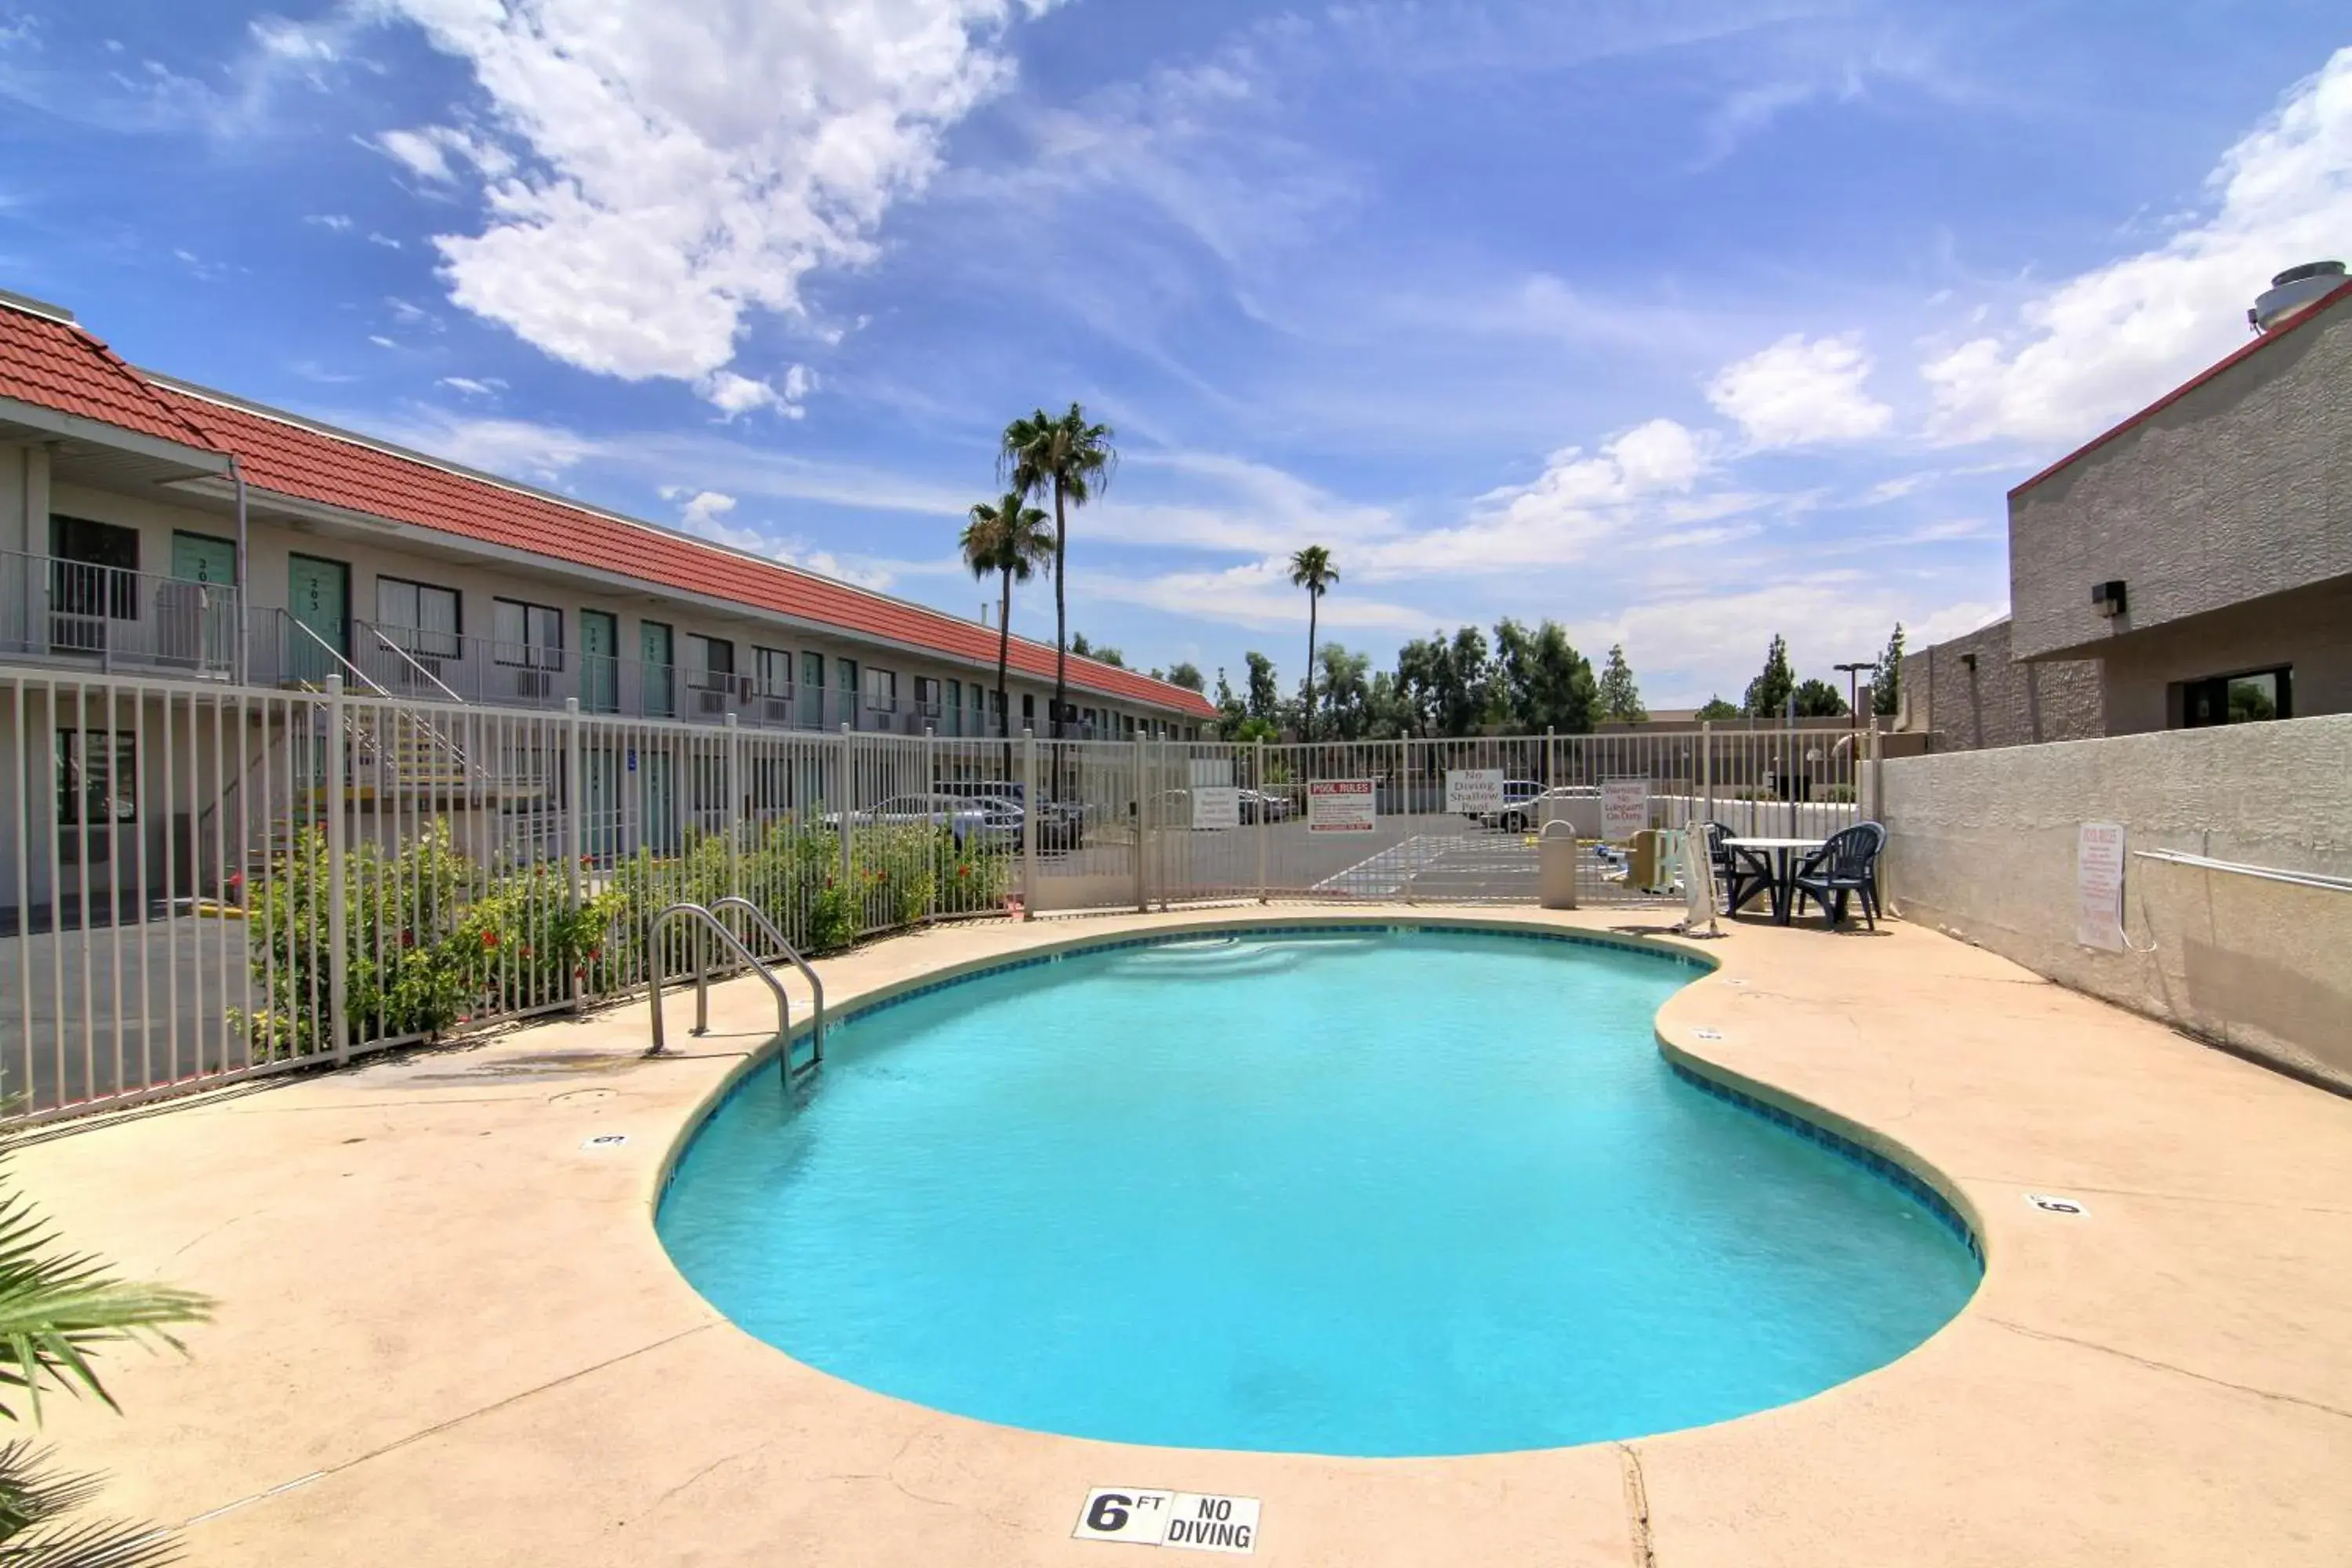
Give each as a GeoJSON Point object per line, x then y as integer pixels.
{"type": "Point", "coordinates": [791, 955]}
{"type": "Point", "coordinates": [704, 918]}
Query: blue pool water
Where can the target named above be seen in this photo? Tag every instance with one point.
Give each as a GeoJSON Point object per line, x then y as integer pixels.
{"type": "Point", "coordinates": [1381, 1194]}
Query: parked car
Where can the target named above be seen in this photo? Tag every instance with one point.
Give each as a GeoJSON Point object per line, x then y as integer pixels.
{"type": "Point", "coordinates": [1261, 805]}
{"type": "Point", "coordinates": [1535, 804]}
{"type": "Point", "coordinates": [1060, 828]}
{"type": "Point", "coordinates": [975, 822]}
{"type": "Point", "coordinates": [1516, 792]}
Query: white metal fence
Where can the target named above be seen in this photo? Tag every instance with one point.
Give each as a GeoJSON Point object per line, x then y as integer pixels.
{"type": "Point", "coordinates": [202, 881]}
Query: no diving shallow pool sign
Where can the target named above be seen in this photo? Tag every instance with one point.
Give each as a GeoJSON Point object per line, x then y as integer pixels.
{"type": "Point", "coordinates": [1137, 1516]}
{"type": "Point", "coordinates": [2052, 1203]}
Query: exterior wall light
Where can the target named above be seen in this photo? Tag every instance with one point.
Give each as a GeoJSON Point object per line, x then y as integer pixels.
{"type": "Point", "coordinates": [2107, 598]}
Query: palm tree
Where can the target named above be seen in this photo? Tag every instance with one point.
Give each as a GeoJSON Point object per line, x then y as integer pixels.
{"type": "Point", "coordinates": [1075, 460]}
{"type": "Point", "coordinates": [55, 1310]}
{"type": "Point", "coordinates": [1009, 539]}
{"type": "Point", "coordinates": [1312, 570]}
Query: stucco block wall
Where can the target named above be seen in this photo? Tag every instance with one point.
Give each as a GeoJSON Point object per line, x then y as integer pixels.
{"type": "Point", "coordinates": [1983, 843]}
{"type": "Point", "coordinates": [2239, 489]}
{"type": "Point", "coordinates": [1999, 702]}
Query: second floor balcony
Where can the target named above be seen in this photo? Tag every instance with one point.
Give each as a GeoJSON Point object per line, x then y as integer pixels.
{"type": "Point", "coordinates": [105, 620]}
{"type": "Point", "coordinates": [86, 618]}
{"type": "Point", "coordinates": [449, 667]}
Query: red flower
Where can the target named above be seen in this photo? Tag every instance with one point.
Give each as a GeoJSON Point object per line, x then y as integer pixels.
{"type": "Point", "coordinates": [595, 953]}
{"type": "Point", "coordinates": [490, 938]}
{"type": "Point", "coordinates": [962, 871]}
{"type": "Point", "coordinates": [408, 938]}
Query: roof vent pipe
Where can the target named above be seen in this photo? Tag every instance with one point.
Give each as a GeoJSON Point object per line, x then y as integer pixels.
{"type": "Point", "coordinates": [2293, 290]}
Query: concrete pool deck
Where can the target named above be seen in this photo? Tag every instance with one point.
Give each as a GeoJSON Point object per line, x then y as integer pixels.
{"type": "Point", "coordinates": [449, 1334]}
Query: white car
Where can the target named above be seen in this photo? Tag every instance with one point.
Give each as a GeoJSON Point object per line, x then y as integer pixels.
{"type": "Point", "coordinates": [1527, 803]}
{"type": "Point", "coordinates": [981, 821]}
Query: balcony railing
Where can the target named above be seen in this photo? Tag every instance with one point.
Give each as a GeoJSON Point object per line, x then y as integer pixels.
{"type": "Point", "coordinates": [106, 618]}
{"type": "Point", "coordinates": [407, 661]}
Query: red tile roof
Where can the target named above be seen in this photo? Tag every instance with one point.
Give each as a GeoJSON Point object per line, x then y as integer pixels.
{"type": "Point", "coordinates": [53, 364]}
{"type": "Point", "coordinates": [2324, 303]}
{"type": "Point", "coordinates": [309, 464]}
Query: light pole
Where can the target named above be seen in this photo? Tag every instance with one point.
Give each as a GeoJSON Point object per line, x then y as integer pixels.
{"type": "Point", "coordinates": [1853, 689]}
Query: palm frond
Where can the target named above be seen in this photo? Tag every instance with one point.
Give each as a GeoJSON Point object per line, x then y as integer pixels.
{"type": "Point", "coordinates": [31, 1493]}
{"type": "Point", "coordinates": [99, 1543]}
{"type": "Point", "coordinates": [56, 1308]}
{"type": "Point", "coordinates": [33, 1498]}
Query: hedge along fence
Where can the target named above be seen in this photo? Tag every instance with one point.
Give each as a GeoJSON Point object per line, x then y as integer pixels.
{"type": "Point", "coordinates": [433, 940]}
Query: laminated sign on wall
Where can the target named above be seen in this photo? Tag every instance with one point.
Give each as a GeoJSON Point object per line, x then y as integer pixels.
{"type": "Point", "coordinates": [1469, 791]}
{"type": "Point", "coordinates": [1216, 805]}
{"type": "Point", "coordinates": [1340, 805]}
{"type": "Point", "coordinates": [2099, 886]}
{"type": "Point", "coordinates": [1624, 808]}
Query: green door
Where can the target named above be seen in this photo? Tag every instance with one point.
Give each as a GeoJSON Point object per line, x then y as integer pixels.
{"type": "Point", "coordinates": [197, 626]}
{"type": "Point", "coordinates": [201, 558]}
{"type": "Point", "coordinates": [600, 667]}
{"type": "Point", "coordinates": [318, 594]}
{"type": "Point", "coordinates": [657, 670]}
{"type": "Point", "coordinates": [658, 803]}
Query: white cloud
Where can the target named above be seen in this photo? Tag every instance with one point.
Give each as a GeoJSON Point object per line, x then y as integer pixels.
{"type": "Point", "coordinates": [333, 223]}
{"type": "Point", "coordinates": [733, 394]}
{"type": "Point", "coordinates": [439, 153]}
{"type": "Point", "coordinates": [1797, 394]}
{"type": "Point", "coordinates": [1648, 475]}
{"type": "Point", "coordinates": [704, 507]}
{"type": "Point", "coordinates": [857, 571]}
{"type": "Point", "coordinates": [409, 314]}
{"type": "Point", "coordinates": [675, 166]}
{"type": "Point", "coordinates": [1687, 648]}
{"type": "Point", "coordinates": [2114, 339]}
{"type": "Point", "coordinates": [1257, 596]}
{"type": "Point", "coordinates": [384, 239]}
{"type": "Point", "coordinates": [487, 386]}
{"type": "Point", "coordinates": [519, 448]}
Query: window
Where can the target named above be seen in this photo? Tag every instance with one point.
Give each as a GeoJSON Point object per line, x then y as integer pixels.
{"type": "Point", "coordinates": [418, 616]}
{"type": "Point", "coordinates": [98, 777]}
{"type": "Point", "coordinates": [530, 634]}
{"type": "Point", "coordinates": [2248, 699]}
{"type": "Point", "coordinates": [1028, 711]}
{"type": "Point", "coordinates": [773, 669]}
{"type": "Point", "coordinates": [92, 569]}
{"type": "Point", "coordinates": [882, 691]}
{"type": "Point", "coordinates": [926, 696]}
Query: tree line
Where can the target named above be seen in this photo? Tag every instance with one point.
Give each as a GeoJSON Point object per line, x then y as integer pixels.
{"type": "Point", "coordinates": [1518, 680]}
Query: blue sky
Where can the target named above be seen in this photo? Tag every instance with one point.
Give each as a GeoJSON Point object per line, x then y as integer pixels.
{"type": "Point", "coordinates": [1682, 324]}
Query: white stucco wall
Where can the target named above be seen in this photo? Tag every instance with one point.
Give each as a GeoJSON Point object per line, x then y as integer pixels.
{"type": "Point", "coordinates": [1983, 843]}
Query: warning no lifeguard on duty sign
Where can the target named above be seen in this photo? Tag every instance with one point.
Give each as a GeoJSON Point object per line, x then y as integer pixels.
{"type": "Point", "coordinates": [1137, 1516]}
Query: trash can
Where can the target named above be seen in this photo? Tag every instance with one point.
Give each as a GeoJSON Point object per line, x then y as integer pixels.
{"type": "Point", "coordinates": [1556, 850]}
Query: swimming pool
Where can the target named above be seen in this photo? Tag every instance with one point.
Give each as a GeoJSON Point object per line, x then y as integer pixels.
{"type": "Point", "coordinates": [1373, 1192]}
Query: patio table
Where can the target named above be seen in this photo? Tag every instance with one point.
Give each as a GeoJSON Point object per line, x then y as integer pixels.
{"type": "Point", "coordinates": [1784, 853]}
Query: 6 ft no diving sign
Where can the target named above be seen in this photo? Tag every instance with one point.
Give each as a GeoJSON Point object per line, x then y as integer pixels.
{"type": "Point", "coordinates": [1137, 1516]}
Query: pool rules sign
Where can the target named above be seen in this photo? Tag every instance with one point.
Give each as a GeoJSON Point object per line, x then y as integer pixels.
{"type": "Point", "coordinates": [1198, 1521]}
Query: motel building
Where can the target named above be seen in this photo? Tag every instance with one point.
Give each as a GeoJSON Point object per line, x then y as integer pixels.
{"type": "Point", "coordinates": [183, 571]}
